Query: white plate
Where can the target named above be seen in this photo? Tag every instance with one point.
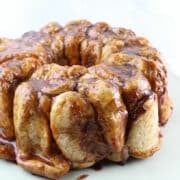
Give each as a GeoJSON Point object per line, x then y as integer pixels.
{"type": "Point", "coordinates": [165, 164]}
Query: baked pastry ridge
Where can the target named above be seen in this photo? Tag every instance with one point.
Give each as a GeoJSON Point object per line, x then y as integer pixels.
{"type": "Point", "coordinates": [74, 95]}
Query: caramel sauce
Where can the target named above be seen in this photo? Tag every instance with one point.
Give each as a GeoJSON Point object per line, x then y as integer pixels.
{"type": "Point", "coordinates": [38, 84]}
{"type": "Point", "coordinates": [2, 134]}
{"type": "Point", "coordinates": [139, 109]}
{"type": "Point", "coordinates": [35, 157]}
{"type": "Point", "coordinates": [9, 151]}
{"type": "Point", "coordinates": [3, 141]}
{"type": "Point", "coordinates": [125, 155]}
{"type": "Point", "coordinates": [125, 71]}
{"type": "Point", "coordinates": [97, 166]}
{"type": "Point", "coordinates": [13, 63]}
{"type": "Point", "coordinates": [26, 47]}
{"type": "Point", "coordinates": [82, 177]}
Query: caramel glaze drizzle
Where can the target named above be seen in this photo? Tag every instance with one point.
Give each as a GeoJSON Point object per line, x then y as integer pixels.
{"type": "Point", "coordinates": [8, 149]}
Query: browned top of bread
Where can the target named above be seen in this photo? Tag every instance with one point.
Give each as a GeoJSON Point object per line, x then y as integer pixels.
{"type": "Point", "coordinates": [71, 96]}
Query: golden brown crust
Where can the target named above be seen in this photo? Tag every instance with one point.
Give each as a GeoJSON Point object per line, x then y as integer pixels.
{"type": "Point", "coordinates": [36, 150]}
{"type": "Point", "coordinates": [144, 154]}
{"type": "Point", "coordinates": [32, 44]}
{"type": "Point", "coordinates": [75, 130]}
{"type": "Point", "coordinates": [55, 166]}
{"type": "Point", "coordinates": [11, 74]}
{"type": "Point", "coordinates": [107, 100]}
{"type": "Point", "coordinates": [144, 133]}
{"type": "Point", "coordinates": [111, 92]}
{"type": "Point", "coordinates": [165, 108]}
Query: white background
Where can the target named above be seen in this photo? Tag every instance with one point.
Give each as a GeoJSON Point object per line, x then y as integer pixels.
{"type": "Point", "coordinates": [156, 19]}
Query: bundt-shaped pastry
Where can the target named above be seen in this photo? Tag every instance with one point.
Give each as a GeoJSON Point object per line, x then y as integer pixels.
{"type": "Point", "coordinates": [72, 96]}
